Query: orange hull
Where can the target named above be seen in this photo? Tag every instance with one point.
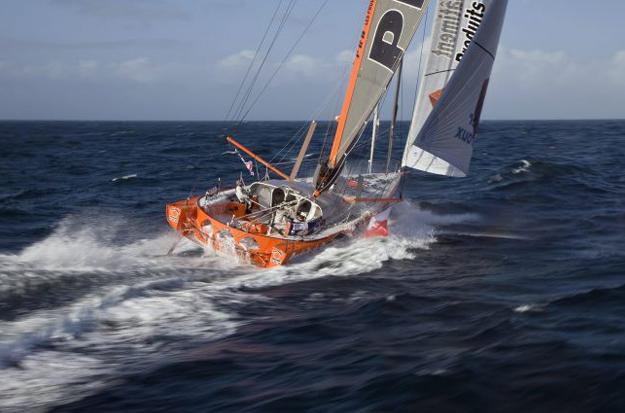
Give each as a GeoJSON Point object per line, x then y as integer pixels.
{"type": "Point", "coordinates": [249, 244]}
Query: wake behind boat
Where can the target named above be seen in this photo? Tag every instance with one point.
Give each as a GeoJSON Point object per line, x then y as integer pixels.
{"type": "Point", "coordinates": [270, 221]}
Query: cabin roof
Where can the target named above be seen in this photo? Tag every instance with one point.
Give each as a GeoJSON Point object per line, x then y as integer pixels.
{"type": "Point", "coordinates": [327, 201]}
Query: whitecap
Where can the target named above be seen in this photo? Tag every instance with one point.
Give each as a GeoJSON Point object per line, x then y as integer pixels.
{"type": "Point", "coordinates": [124, 178]}
{"type": "Point", "coordinates": [495, 179]}
{"type": "Point", "coordinates": [527, 308]}
{"type": "Point", "coordinates": [525, 165]}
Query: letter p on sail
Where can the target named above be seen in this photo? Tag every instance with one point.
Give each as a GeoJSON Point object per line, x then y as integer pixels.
{"type": "Point", "coordinates": [378, 225]}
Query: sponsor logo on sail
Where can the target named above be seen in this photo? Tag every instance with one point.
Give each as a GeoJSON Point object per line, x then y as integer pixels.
{"type": "Point", "coordinates": [467, 136]}
{"type": "Point", "coordinates": [385, 48]}
{"type": "Point", "coordinates": [451, 16]}
{"type": "Point", "coordinates": [475, 14]}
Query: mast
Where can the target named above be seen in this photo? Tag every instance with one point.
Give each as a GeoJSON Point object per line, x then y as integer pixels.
{"type": "Point", "coordinates": [391, 131]}
{"type": "Point", "coordinates": [302, 151]}
{"type": "Point", "coordinates": [340, 129]}
{"type": "Point", "coordinates": [374, 135]}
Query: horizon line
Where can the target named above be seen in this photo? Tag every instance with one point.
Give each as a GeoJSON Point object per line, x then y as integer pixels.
{"type": "Point", "coordinates": [292, 120]}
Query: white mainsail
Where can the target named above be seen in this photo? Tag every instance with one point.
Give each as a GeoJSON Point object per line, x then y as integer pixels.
{"type": "Point", "coordinates": [389, 28]}
{"type": "Point", "coordinates": [449, 104]}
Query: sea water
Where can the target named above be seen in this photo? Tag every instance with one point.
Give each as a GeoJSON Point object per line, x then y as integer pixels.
{"type": "Point", "coordinates": [504, 291]}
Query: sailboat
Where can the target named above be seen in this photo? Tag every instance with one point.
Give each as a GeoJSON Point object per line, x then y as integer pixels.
{"type": "Point", "coordinates": [271, 221]}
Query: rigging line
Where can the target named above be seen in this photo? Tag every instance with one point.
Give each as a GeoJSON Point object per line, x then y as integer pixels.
{"type": "Point", "coordinates": [244, 100]}
{"type": "Point", "coordinates": [288, 55]}
{"type": "Point", "coordinates": [291, 143]}
{"type": "Point", "coordinates": [316, 114]}
{"type": "Point", "coordinates": [402, 103]}
{"type": "Point", "coordinates": [485, 49]}
{"type": "Point", "coordinates": [254, 60]}
{"type": "Point", "coordinates": [250, 89]}
{"type": "Point", "coordinates": [337, 102]}
{"type": "Point", "coordinates": [416, 95]}
{"type": "Point", "coordinates": [298, 133]}
{"type": "Point", "coordinates": [325, 140]}
{"type": "Point", "coordinates": [439, 72]}
{"type": "Point", "coordinates": [287, 153]}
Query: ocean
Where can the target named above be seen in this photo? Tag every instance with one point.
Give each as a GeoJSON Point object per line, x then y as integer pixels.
{"type": "Point", "coordinates": [503, 291]}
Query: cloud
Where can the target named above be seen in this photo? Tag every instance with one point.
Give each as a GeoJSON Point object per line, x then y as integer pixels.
{"type": "Point", "coordinates": [526, 84]}
{"type": "Point", "coordinates": [238, 60]}
{"type": "Point", "coordinates": [307, 66]}
{"type": "Point", "coordinates": [539, 84]}
{"type": "Point", "coordinates": [52, 70]}
{"type": "Point", "coordinates": [617, 71]}
{"type": "Point", "coordinates": [140, 70]}
{"type": "Point", "coordinates": [345, 57]}
{"type": "Point", "coordinates": [143, 10]}
{"type": "Point", "coordinates": [88, 68]}
{"type": "Point", "coordinates": [22, 45]}
{"type": "Point", "coordinates": [301, 65]}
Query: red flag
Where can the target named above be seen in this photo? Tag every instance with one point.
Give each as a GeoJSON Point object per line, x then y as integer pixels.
{"type": "Point", "coordinates": [249, 165]}
{"type": "Point", "coordinates": [352, 183]}
{"type": "Point", "coordinates": [378, 225]}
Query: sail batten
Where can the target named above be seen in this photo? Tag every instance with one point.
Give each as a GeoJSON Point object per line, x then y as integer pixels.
{"type": "Point", "coordinates": [451, 96]}
{"type": "Point", "coordinates": [389, 28]}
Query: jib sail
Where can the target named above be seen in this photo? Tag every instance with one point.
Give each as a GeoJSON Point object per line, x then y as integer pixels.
{"type": "Point", "coordinates": [449, 105]}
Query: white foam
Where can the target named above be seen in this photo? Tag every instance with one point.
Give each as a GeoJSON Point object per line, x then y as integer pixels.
{"type": "Point", "coordinates": [527, 308]}
{"type": "Point", "coordinates": [120, 325]}
{"type": "Point", "coordinates": [124, 178]}
{"type": "Point", "coordinates": [495, 179]}
{"type": "Point", "coordinates": [524, 168]}
{"type": "Point", "coordinates": [119, 328]}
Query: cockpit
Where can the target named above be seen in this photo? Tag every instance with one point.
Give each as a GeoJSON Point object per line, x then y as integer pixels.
{"type": "Point", "coordinates": [267, 196]}
{"type": "Point", "coordinates": [275, 208]}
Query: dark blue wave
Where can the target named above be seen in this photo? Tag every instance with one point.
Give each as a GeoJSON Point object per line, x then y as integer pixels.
{"type": "Point", "coordinates": [499, 292]}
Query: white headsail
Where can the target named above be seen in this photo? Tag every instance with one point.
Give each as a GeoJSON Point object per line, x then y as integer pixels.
{"type": "Point", "coordinates": [449, 105]}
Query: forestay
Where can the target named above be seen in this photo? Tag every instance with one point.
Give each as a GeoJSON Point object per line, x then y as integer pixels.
{"type": "Point", "coordinates": [446, 118]}
{"type": "Point", "coordinates": [389, 28]}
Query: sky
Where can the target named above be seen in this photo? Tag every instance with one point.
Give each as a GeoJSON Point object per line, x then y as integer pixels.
{"type": "Point", "coordinates": [184, 60]}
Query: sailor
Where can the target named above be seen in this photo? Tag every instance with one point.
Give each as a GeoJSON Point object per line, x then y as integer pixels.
{"type": "Point", "coordinates": [241, 194]}
{"type": "Point", "coordinates": [281, 220]}
{"type": "Point", "coordinates": [208, 195]}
